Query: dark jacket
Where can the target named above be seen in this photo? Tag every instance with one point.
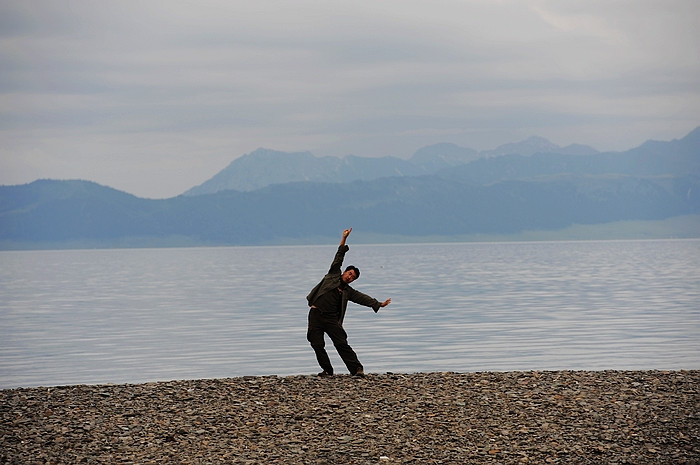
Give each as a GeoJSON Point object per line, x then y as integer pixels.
{"type": "Point", "coordinates": [331, 282]}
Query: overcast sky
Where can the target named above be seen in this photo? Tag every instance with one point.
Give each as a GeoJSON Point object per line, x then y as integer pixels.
{"type": "Point", "coordinates": [154, 97]}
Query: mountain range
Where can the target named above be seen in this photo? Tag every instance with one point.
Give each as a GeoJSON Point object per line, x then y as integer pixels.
{"type": "Point", "coordinates": [442, 192]}
{"type": "Point", "coordinates": [265, 167]}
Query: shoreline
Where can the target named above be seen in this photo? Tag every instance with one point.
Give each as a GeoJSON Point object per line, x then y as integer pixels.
{"type": "Point", "coordinates": [682, 227]}
{"type": "Point", "coordinates": [420, 418]}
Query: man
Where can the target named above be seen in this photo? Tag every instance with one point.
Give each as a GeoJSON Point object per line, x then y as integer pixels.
{"type": "Point", "coordinates": [328, 302]}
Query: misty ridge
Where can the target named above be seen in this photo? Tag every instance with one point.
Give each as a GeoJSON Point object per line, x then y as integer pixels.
{"type": "Point", "coordinates": [443, 192]}
{"type": "Point", "coordinates": [264, 167]}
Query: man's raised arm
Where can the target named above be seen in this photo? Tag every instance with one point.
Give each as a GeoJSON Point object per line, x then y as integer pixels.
{"type": "Point", "coordinates": [346, 233]}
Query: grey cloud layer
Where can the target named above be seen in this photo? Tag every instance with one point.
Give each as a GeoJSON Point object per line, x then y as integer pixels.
{"type": "Point", "coordinates": [122, 92]}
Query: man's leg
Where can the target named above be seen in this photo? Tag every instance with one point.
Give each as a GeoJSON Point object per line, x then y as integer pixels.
{"type": "Point", "coordinates": [314, 335]}
{"type": "Point", "coordinates": [340, 341]}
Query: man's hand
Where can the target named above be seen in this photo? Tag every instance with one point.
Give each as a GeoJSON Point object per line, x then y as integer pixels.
{"type": "Point", "coordinates": [385, 303]}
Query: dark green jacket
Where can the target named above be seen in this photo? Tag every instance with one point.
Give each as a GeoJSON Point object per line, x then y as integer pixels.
{"type": "Point", "coordinates": [331, 282]}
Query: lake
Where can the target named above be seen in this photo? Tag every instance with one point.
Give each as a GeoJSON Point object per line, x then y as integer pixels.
{"type": "Point", "coordinates": [140, 315]}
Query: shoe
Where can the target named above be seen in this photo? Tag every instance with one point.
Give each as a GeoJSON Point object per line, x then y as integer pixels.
{"type": "Point", "coordinates": [360, 373]}
{"type": "Point", "coordinates": [324, 373]}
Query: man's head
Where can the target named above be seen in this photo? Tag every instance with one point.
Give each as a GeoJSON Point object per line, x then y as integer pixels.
{"type": "Point", "coordinates": [350, 274]}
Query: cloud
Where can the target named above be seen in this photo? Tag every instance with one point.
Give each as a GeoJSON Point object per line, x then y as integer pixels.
{"type": "Point", "coordinates": [155, 97]}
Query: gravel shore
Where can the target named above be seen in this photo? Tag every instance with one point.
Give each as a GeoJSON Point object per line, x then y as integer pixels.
{"type": "Point", "coordinates": [636, 417]}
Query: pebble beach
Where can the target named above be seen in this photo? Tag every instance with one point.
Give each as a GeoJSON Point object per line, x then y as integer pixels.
{"type": "Point", "coordinates": [585, 417]}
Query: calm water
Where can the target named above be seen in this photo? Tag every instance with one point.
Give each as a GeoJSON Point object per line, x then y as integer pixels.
{"type": "Point", "coordinates": [128, 316]}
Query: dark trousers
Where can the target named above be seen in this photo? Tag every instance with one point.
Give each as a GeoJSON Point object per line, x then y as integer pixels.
{"type": "Point", "coordinates": [320, 323]}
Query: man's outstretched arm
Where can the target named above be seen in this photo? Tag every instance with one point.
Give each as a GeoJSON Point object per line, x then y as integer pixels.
{"type": "Point", "coordinates": [340, 254]}
{"type": "Point", "coordinates": [361, 298]}
{"type": "Point", "coordinates": [346, 233]}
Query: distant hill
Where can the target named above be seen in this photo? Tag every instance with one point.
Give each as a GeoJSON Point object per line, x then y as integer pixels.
{"type": "Point", "coordinates": [265, 167]}
{"type": "Point", "coordinates": [499, 195]}
{"type": "Point", "coordinates": [674, 158]}
{"type": "Point", "coordinates": [299, 212]}
{"type": "Point", "coordinates": [535, 145]}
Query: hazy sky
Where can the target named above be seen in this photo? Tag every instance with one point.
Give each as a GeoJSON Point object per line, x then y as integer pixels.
{"type": "Point", "coordinates": [154, 97]}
